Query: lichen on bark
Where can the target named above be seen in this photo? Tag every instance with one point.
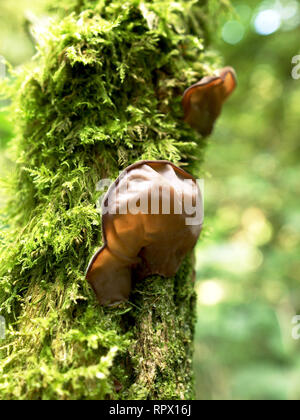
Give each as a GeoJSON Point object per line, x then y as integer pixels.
{"type": "Point", "coordinates": [103, 92]}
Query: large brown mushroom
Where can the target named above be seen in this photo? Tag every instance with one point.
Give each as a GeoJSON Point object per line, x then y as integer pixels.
{"type": "Point", "coordinates": [202, 102]}
{"type": "Point", "coordinates": [151, 218]}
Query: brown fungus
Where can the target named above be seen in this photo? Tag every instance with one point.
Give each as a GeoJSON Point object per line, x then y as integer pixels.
{"type": "Point", "coordinates": [151, 218]}
{"type": "Point", "coordinates": [202, 102]}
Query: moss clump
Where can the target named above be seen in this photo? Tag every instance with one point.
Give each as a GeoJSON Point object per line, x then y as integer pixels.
{"type": "Point", "coordinates": [103, 92]}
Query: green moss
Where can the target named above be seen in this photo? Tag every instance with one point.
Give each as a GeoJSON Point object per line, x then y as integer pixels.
{"type": "Point", "coordinates": [103, 92]}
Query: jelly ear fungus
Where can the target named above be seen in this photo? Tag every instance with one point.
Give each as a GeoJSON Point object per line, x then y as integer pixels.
{"type": "Point", "coordinates": [202, 102]}
{"type": "Point", "coordinates": [151, 219]}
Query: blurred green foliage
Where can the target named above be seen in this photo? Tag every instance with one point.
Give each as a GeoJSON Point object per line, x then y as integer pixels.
{"type": "Point", "coordinates": [248, 258]}
{"type": "Point", "coordinates": [15, 44]}
{"type": "Point", "coordinates": [248, 263]}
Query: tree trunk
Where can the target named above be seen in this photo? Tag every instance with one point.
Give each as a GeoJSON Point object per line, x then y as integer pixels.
{"type": "Point", "coordinates": [104, 92]}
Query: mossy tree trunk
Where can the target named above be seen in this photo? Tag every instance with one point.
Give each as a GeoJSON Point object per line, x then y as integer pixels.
{"type": "Point", "coordinates": [103, 92]}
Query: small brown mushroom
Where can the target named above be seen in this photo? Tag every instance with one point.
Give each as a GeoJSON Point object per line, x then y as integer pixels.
{"type": "Point", "coordinates": [202, 102]}
{"type": "Point", "coordinates": [151, 218]}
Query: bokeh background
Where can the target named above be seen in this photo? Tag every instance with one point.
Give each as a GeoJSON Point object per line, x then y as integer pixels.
{"type": "Point", "coordinates": [248, 264]}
